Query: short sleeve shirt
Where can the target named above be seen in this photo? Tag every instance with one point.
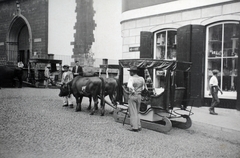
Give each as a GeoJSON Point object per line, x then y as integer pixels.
{"type": "Point", "coordinates": [213, 81]}
{"type": "Point", "coordinates": [67, 77]}
{"type": "Point", "coordinates": [137, 83]}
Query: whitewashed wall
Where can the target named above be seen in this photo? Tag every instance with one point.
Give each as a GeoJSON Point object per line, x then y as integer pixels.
{"type": "Point", "coordinates": [107, 33]}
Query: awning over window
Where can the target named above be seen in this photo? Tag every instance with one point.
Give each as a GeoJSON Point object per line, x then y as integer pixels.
{"type": "Point", "coordinates": [157, 64]}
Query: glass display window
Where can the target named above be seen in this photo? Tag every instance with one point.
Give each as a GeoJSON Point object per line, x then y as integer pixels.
{"type": "Point", "coordinates": [222, 44]}
{"type": "Point", "coordinates": [165, 42]}
{"type": "Point", "coordinates": [165, 46]}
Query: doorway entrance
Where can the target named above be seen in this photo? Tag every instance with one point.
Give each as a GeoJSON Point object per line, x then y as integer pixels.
{"type": "Point", "coordinates": [19, 42]}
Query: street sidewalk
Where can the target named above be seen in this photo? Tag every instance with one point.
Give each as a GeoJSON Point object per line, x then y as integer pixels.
{"type": "Point", "coordinates": [227, 119]}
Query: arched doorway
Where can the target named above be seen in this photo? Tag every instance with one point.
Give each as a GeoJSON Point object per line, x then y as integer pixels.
{"type": "Point", "coordinates": [19, 43]}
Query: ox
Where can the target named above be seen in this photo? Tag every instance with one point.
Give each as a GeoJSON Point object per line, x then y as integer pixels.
{"type": "Point", "coordinates": [88, 87]}
{"type": "Point", "coordinates": [9, 74]}
{"type": "Point", "coordinates": [111, 88]}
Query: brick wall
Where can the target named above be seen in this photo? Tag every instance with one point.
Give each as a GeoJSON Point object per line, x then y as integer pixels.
{"type": "Point", "coordinates": [36, 13]}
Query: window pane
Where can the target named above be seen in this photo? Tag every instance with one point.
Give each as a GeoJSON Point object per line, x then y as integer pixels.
{"type": "Point", "coordinates": [171, 45]}
{"type": "Point", "coordinates": [159, 78]}
{"type": "Point", "coordinates": [215, 41]}
{"type": "Point", "coordinates": [214, 64]}
{"type": "Point", "coordinates": [230, 40]}
{"type": "Point", "coordinates": [161, 42]}
{"type": "Point", "coordinates": [229, 74]}
{"type": "Point", "coordinates": [221, 53]}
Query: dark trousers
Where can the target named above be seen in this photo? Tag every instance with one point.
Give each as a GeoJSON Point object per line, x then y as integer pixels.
{"type": "Point", "coordinates": [215, 99]}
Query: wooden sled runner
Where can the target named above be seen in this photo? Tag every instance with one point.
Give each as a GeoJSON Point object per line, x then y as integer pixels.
{"type": "Point", "coordinates": [163, 125]}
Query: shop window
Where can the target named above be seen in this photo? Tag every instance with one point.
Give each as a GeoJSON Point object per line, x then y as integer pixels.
{"type": "Point", "coordinates": [165, 42]}
{"type": "Point", "coordinates": [221, 54]}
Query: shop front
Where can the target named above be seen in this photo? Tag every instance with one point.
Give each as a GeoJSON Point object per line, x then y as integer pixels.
{"type": "Point", "coordinates": [208, 41]}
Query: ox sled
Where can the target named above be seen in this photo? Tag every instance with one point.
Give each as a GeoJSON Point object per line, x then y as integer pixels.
{"type": "Point", "coordinates": [167, 103]}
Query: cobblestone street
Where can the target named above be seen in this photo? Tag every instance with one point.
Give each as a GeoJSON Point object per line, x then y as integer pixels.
{"type": "Point", "coordinates": [33, 124]}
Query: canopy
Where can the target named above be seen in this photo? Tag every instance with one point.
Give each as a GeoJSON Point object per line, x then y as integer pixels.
{"type": "Point", "coordinates": [157, 64]}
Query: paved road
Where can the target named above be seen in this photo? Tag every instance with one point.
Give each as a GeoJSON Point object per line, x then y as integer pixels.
{"type": "Point", "coordinates": [33, 124]}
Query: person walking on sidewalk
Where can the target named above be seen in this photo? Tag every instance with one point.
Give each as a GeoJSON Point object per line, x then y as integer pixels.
{"type": "Point", "coordinates": [214, 88]}
{"type": "Point", "coordinates": [135, 84]}
{"type": "Point", "coordinates": [67, 76]}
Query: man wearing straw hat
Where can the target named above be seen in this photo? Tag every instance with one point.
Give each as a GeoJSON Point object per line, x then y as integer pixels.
{"type": "Point", "coordinates": [214, 88]}
{"type": "Point", "coordinates": [135, 84]}
{"type": "Point", "coordinates": [67, 76]}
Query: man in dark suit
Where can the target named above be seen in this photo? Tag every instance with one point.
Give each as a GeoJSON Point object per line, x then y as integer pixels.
{"type": "Point", "coordinates": [77, 69]}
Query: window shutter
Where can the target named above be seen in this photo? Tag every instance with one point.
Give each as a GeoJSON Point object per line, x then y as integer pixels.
{"type": "Point", "coordinates": [190, 47]}
{"type": "Point", "coordinates": [183, 43]}
{"type": "Point", "coordinates": [146, 44]}
{"type": "Point", "coordinates": [197, 58]}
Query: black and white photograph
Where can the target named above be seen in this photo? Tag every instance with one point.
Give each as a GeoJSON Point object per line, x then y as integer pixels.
{"type": "Point", "coordinates": [119, 79]}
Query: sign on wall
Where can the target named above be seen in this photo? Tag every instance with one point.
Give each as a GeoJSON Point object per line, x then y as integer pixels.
{"type": "Point", "coordinates": [134, 49]}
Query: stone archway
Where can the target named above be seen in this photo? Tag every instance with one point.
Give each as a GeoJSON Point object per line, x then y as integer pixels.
{"type": "Point", "coordinates": [19, 43]}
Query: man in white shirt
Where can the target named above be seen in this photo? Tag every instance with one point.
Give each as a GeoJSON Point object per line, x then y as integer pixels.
{"type": "Point", "coordinates": [214, 88]}
{"type": "Point", "coordinates": [47, 75]}
{"type": "Point", "coordinates": [67, 76]}
{"type": "Point", "coordinates": [20, 64]}
{"type": "Point", "coordinates": [135, 84]}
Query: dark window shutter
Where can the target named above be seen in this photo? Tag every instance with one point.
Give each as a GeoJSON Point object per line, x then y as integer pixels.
{"type": "Point", "coordinates": [197, 58]}
{"type": "Point", "coordinates": [146, 44]}
{"type": "Point", "coordinates": [183, 43]}
{"type": "Point", "coordinates": [191, 47]}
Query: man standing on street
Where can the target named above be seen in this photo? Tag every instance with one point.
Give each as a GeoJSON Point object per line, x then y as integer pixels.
{"type": "Point", "coordinates": [47, 75]}
{"type": "Point", "coordinates": [214, 88]}
{"type": "Point", "coordinates": [135, 84]}
{"type": "Point", "coordinates": [67, 76]}
{"type": "Point", "coordinates": [77, 70]}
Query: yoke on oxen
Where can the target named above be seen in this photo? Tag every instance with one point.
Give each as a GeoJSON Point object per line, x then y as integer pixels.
{"type": "Point", "coordinates": [160, 109]}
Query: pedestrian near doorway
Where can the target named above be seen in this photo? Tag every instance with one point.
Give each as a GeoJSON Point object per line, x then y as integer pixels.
{"type": "Point", "coordinates": [77, 70]}
{"type": "Point", "coordinates": [20, 64]}
{"type": "Point", "coordinates": [47, 75]}
{"type": "Point", "coordinates": [214, 88]}
{"type": "Point", "coordinates": [67, 76]}
{"type": "Point", "coordinates": [136, 84]}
